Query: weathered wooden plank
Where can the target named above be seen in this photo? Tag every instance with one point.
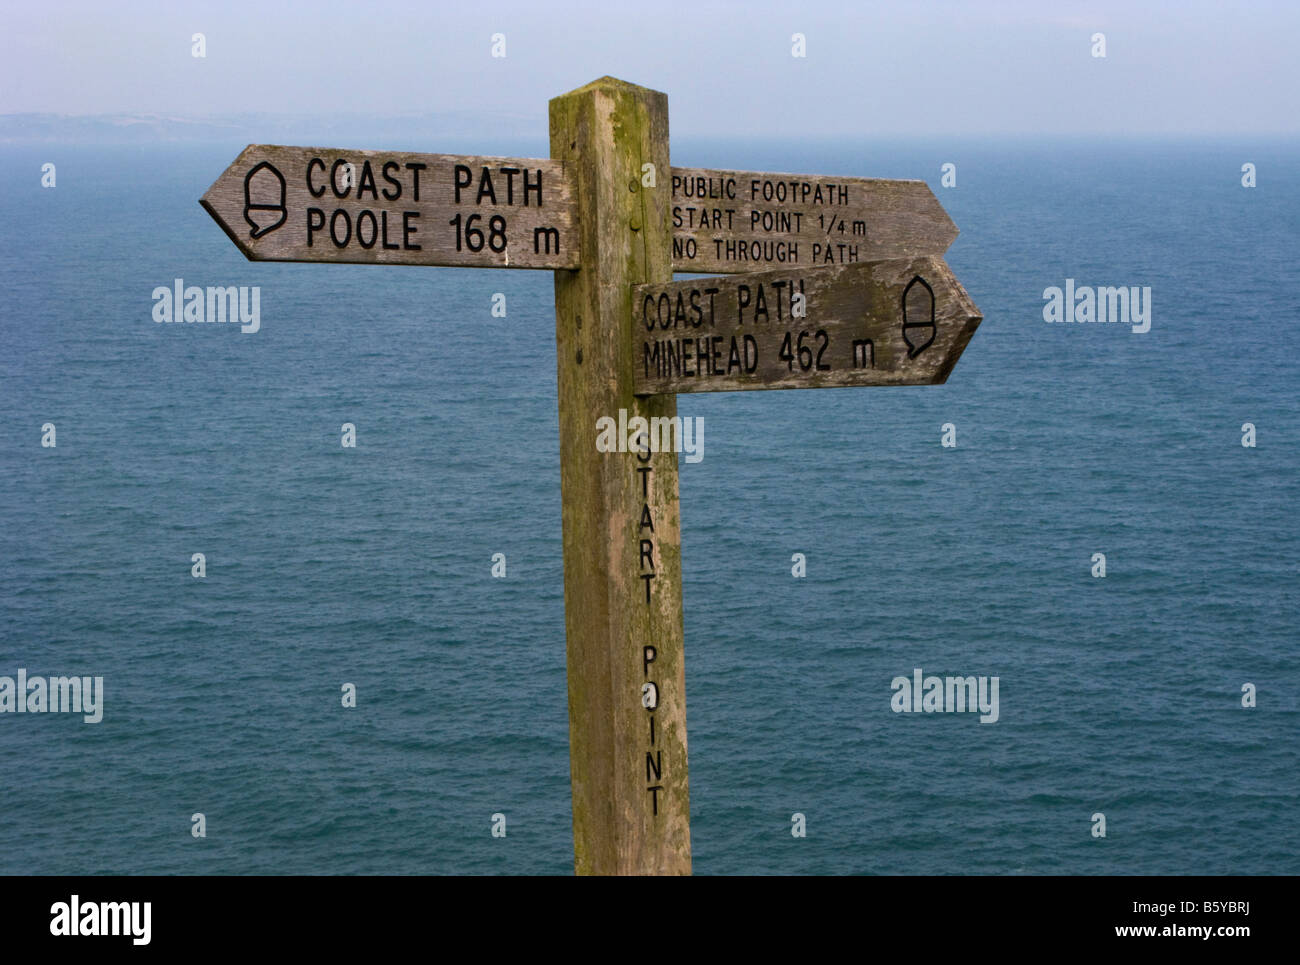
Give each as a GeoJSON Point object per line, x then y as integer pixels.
{"type": "Point", "coordinates": [282, 203]}
{"type": "Point", "coordinates": [900, 321]}
{"type": "Point", "coordinates": [740, 221]}
{"type": "Point", "coordinates": [622, 542]}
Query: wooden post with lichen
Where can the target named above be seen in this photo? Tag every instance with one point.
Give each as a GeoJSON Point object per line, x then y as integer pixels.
{"type": "Point", "coordinates": [622, 542]}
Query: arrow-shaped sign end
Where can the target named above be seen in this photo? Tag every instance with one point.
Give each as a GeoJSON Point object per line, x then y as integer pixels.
{"type": "Point", "coordinates": [945, 229]}
{"type": "Point", "coordinates": [259, 195]}
{"type": "Point", "coordinates": [231, 234]}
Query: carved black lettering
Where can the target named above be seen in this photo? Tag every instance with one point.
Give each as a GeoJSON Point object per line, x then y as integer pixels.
{"type": "Point", "coordinates": [409, 229]}
{"type": "Point", "coordinates": [364, 183]}
{"type": "Point", "coordinates": [415, 167]}
{"type": "Point", "coordinates": [312, 223]}
{"type": "Point", "coordinates": [397, 185]}
{"type": "Point", "coordinates": [485, 189]}
{"type": "Point", "coordinates": [529, 189]}
{"type": "Point", "coordinates": [462, 178]}
{"type": "Point", "coordinates": [311, 188]}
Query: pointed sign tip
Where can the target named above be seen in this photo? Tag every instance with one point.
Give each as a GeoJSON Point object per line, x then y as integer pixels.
{"type": "Point", "coordinates": [230, 233]}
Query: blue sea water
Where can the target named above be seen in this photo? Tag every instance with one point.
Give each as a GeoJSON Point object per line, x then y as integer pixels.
{"type": "Point", "coordinates": [1119, 695]}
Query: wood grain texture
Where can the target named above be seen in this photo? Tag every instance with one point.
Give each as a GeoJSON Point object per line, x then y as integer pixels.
{"type": "Point", "coordinates": [741, 221]}
{"type": "Point", "coordinates": [606, 131]}
{"type": "Point", "coordinates": [902, 321]}
{"type": "Point", "coordinates": [282, 203]}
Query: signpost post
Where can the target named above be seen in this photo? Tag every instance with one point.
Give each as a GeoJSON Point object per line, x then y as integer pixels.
{"type": "Point", "coordinates": [846, 286]}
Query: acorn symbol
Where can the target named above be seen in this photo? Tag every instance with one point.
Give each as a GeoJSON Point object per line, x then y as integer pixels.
{"type": "Point", "coordinates": [264, 199]}
{"type": "Point", "coordinates": [918, 316]}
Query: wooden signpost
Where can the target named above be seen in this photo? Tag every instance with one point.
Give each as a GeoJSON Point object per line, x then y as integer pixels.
{"type": "Point", "coordinates": [733, 221]}
{"type": "Point", "coordinates": [852, 291]}
{"type": "Point", "coordinates": [902, 321]}
{"type": "Point", "coordinates": [390, 208]}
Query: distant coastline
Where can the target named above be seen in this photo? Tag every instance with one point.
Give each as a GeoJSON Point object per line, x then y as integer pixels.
{"type": "Point", "coordinates": [141, 128]}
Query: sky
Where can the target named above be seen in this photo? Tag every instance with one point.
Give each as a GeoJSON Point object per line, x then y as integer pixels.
{"type": "Point", "coordinates": [899, 68]}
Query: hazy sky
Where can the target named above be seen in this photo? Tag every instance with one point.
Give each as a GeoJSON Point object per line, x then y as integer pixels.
{"type": "Point", "coordinates": [871, 68]}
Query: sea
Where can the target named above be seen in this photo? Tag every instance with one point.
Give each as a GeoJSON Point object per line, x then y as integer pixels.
{"type": "Point", "coordinates": [1162, 697]}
